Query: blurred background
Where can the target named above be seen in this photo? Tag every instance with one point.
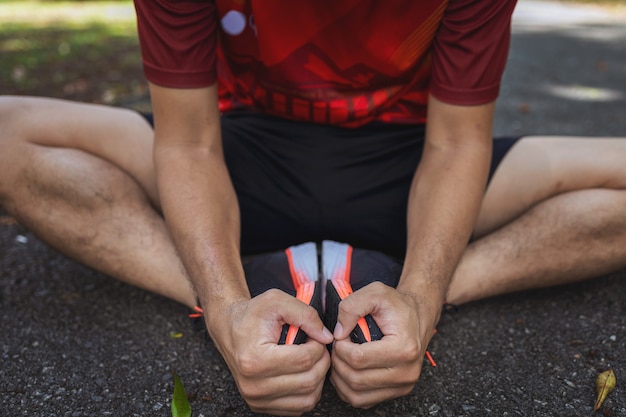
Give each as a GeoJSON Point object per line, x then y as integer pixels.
{"type": "Point", "coordinates": [79, 50]}
{"type": "Point", "coordinates": [82, 50]}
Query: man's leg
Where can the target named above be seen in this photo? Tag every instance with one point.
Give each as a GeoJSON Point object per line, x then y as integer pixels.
{"type": "Point", "coordinates": [554, 212]}
{"type": "Point", "coordinates": [81, 178]}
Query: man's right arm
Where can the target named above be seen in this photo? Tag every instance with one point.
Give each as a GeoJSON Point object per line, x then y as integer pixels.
{"type": "Point", "coordinates": [196, 194]}
{"type": "Point", "coordinates": [201, 211]}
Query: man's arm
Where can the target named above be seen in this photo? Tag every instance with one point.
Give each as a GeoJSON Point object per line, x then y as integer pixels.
{"type": "Point", "coordinates": [443, 204]}
{"type": "Point", "coordinates": [201, 211]}
{"type": "Point", "coordinates": [196, 194]}
{"type": "Point", "coordinates": [446, 195]}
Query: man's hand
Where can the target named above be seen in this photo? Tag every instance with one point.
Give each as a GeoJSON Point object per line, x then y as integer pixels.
{"type": "Point", "coordinates": [369, 373]}
{"type": "Point", "coordinates": [273, 379]}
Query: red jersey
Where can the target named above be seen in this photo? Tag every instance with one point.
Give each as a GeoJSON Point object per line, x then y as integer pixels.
{"type": "Point", "coordinates": [345, 63]}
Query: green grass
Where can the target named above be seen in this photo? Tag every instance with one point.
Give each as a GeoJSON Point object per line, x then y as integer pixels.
{"type": "Point", "coordinates": [38, 13]}
{"type": "Point", "coordinates": [85, 51]}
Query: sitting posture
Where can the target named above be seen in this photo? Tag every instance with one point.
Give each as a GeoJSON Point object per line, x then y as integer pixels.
{"type": "Point", "coordinates": [349, 124]}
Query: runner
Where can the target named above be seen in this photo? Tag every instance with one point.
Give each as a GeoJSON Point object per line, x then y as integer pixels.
{"type": "Point", "coordinates": [279, 123]}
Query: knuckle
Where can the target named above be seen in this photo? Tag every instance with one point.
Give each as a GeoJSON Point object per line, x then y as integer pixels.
{"type": "Point", "coordinates": [309, 382]}
{"type": "Point", "coordinates": [356, 383]}
{"type": "Point", "coordinates": [250, 392]}
{"type": "Point", "coordinates": [272, 295]}
{"type": "Point", "coordinates": [307, 361]}
{"type": "Point", "coordinates": [411, 354]}
{"type": "Point", "coordinates": [404, 391]}
{"type": "Point", "coordinates": [309, 403]}
{"type": "Point", "coordinates": [358, 401]}
{"type": "Point", "coordinates": [378, 286]}
{"type": "Point", "coordinates": [248, 365]}
{"type": "Point", "coordinates": [344, 306]}
{"type": "Point", "coordinates": [408, 379]}
{"type": "Point", "coordinates": [310, 314]}
{"type": "Point", "coordinates": [356, 358]}
{"type": "Point", "coordinates": [325, 361]}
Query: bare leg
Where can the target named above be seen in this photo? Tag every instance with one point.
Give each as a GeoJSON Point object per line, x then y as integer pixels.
{"type": "Point", "coordinates": [554, 213]}
{"type": "Point", "coordinates": [81, 178]}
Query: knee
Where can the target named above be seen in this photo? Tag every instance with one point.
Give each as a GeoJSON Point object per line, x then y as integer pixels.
{"type": "Point", "coordinates": [10, 105]}
{"type": "Point", "coordinates": [8, 112]}
{"type": "Point", "coordinates": [18, 119]}
{"type": "Point", "coordinates": [11, 110]}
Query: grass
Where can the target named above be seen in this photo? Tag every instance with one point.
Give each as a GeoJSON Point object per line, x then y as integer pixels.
{"type": "Point", "coordinates": [83, 51]}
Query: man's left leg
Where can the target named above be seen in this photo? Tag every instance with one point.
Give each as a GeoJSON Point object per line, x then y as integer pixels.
{"type": "Point", "coordinates": [554, 212]}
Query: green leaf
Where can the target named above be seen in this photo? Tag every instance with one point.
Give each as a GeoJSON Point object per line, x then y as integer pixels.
{"type": "Point", "coordinates": [180, 403]}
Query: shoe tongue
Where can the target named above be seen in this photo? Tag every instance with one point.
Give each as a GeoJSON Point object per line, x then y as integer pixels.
{"type": "Point", "coordinates": [336, 260]}
{"type": "Point", "coordinates": [303, 262]}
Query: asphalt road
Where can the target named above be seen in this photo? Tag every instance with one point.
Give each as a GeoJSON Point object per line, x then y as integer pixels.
{"type": "Point", "coordinates": [74, 342]}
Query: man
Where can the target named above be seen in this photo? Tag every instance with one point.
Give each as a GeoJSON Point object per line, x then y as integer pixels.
{"type": "Point", "coordinates": [322, 130]}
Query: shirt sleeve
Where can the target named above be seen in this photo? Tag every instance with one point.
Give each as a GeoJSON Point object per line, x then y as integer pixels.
{"type": "Point", "coordinates": [470, 51]}
{"type": "Point", "coordinates": [178, 40]}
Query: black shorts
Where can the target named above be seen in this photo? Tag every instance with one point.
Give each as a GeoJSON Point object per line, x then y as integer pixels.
{"type": "Point", "coordinates": [298, 182]}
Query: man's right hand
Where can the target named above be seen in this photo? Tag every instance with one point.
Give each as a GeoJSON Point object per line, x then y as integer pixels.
{"type": "Point", "coordinates": [274, 379]}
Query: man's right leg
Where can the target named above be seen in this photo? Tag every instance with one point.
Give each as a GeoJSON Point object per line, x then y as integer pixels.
{"type": "Point", "coordinates": [81, 178]}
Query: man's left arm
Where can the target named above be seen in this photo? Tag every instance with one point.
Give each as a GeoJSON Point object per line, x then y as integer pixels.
{"type": "Point", "coordinates": [444, 200]}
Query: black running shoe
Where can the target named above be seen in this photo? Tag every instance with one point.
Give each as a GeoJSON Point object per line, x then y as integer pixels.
{"type": "Point", "coordinates": [295, 271]}
{"type": "Point", "coordinates": [344, 269]}
{"type": "Point", "coordinates": [347, 269]}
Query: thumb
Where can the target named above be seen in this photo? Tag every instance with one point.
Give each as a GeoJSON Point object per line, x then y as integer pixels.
{"type": "Point", "coordinates": [357, 305]}
{"type": "Point", "coordinates": [299, 314]}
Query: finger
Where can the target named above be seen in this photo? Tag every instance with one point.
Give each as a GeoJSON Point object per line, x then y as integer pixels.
{"type": "Point", "coordinates": [295, 312]}
{"type": "Point", "coordinates": [387, 352]}
{"type": "Point", "coordinates": [288, 406]}
{"type": "Point", "coordinates": [276, 360]}
{"type": "Point", "coordinates": [368, 300]}
{"type": "Point", "coordinates": [271, 392]}
{"type": "Point", "coordinates": [302, 383]}
{"type": "Point", "coordinates": [368, 398]}
{"type": "Point", "coordinates": [376, 378]}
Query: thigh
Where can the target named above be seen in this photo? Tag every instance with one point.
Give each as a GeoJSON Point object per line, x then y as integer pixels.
{"type": "Point", "coordinates": [120, 136]}
{"type": "Point", "coordinates": [537, 168]}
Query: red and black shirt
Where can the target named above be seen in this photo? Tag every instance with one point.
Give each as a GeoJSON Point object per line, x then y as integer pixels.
{"type": "Point", "coordinates": [344, 63]}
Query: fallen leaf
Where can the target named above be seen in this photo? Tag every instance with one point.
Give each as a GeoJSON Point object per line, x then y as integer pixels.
{"type": "Point", "coordinates": [180, 403]}
{"type": "Point", "coordinates": [176, 335]}
{"type": "Point", "coordinates": [605, 383]}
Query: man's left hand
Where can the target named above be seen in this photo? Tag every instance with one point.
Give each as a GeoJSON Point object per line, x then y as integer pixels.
{"type": "Point", "coordinates": [369, 373]}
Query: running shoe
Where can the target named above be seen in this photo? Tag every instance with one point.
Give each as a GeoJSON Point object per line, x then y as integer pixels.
{"type": "Point", "coordinates": [294, 271]}
{"type": "Point", "coordinates": [345, 270]}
